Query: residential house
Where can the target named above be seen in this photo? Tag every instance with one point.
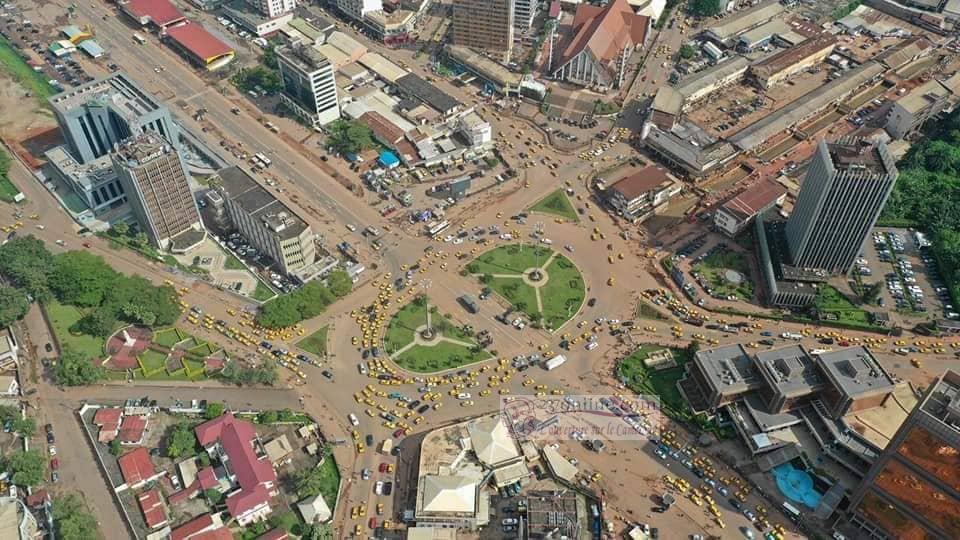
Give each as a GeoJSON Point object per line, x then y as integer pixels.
{"type": "Point", "coordinates": [235, 444]}
{"type": "Point", "coordinates": [8, 349]}
{"type": "Point", "coordinates": [137, 469]}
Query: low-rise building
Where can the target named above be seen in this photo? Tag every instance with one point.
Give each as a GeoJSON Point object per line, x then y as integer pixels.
{"type": "Point", "coordinates": [910, 112]}
{"type": "Point", "coordinates": [688, 149]}
{"type": "Point", "coordinates": [737, 213]}
{"type": "Point", "coordinates": [157, 13]}
{"type": "Point", "coordinates": [236, 445]}
{"type": "Point", "coordinates": [9, 386]}
{"type": "Point", "coordinates": [778, 67]}
{"type": "Point", "coordinates": [151, 505]}
{"type": "Point", "coordinates": [726, 34]}
{"type": "Point", "coordinates": [199, 46]}
{"type": "Point", "coordinates": [252, 20]}
{"type": "Point", "coordinates": [638, 196]}
{"type": "Point", "coordinates": [8, 349]}
{"type": "Point", "coordinates": [137, 469]}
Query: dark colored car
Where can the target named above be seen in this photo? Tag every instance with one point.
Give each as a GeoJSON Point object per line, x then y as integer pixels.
{"type": "Point", "coordinates": [48, 347]}
{"type": "Point", "coordinates": [423, 408]}
{"type": "Point", "coordinates": [592, 302]}
{"type": "Point", "coordinates": [369, 440]}
{"type": "Point", "coordinates": [388, 488]}
{"type": "Point", "coordinates": [327, 374]}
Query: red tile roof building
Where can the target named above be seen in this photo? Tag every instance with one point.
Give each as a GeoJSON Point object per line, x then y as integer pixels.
{"type": "Point", "coordinates": [160, 13]}
{"type": "Point", "coordinates": [108, 420]}
{"type": "Point", "coordinates": [132, 429]}
{"type": "Point", "coordinates": [136, 468]}
{"type": "Point", "coordinates": [235, 443]}
{"type": "Point", "coordinates": [599, 42]}
{"type": "Point", "coordinates": [151, 504]}
{"type": "Point", "coordinates": [199, 46]}
{"type": "Point", "coordinates": [738, 212]}
{"type": "Point", "coordinates": [200, 528]}
{"type": "Point", "coordinates": [636, 197]}
{"type": "Point", "coordinates": [274, 534]}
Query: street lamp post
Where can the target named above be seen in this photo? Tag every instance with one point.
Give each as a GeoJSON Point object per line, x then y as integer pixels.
{"type": "Point", "coordinates": [425, 286]}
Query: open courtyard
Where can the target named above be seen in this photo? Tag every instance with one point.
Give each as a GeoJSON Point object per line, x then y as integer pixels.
{"type": "Point", "coordinates": [420, 339]}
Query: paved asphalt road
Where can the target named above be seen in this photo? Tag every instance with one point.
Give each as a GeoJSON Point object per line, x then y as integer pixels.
{"type": "Point", "coordinates": [331, 402]}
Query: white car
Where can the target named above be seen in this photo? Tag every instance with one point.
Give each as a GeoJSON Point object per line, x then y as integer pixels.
{"type": "Point", "coordinates": [448, 238]}
{"type": "Point", "coordinates": [463, 395]}
{"type": "Point", "coordinates": [351, 227]}
{"type": "Point", "coordinates": [546, 241]}
{"type": "Point", "coordinates": [568, 247]}
{"type": "Point", "coordinates": [378, 487]}
{"type": "Point", "coordinates": [592, 345]}
{"type": "Point", "coordinates": [353, 419]}
{"type": "Point", "coordinates": [53, 450]}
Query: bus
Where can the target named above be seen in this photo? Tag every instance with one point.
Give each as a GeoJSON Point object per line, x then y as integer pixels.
{"type": "Point", "coordinates": [262, 159]}
{"type": "Point", "coordinates": [437, 228]}
{"type": "Point", "coordinates": [139, 39]}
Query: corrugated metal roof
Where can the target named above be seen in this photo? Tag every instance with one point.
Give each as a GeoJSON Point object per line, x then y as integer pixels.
{"type": "Point", "coordinates": [744, 22]}
{"type": "Point", "coordinates": [804, 107]}
{"type": "Point", "coordinates": [668, 101]}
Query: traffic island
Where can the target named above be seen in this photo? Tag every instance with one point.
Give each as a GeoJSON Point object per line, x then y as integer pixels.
{"type": "Point", "coordinates": [418, 339]}
{"type": "Point", "coordinates": [543, 284]}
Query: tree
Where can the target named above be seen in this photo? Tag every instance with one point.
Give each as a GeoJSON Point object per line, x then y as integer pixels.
{"type": "Point", "coordinates": [141, 240]}
{"type": "Point", "coordinates": [349, 137]}
{"type": "Point", "coordinates": [317, 531]}
{"type": "Point", "coordinates": [75, 369]}
{"type": "Point", "coordinates": [213, 496]}
{"type": "Point", "coordinates": [81, 278]}
{"type": "Point", "coordinates": [13, 305]}
{"type": "Point", "coordinates": [693, 348]}
{"type": "Point", "coordinates": [705, 8]}
{"type": "Point", "coordinates": [214, 410]}
{"type": "Point", "coordinates": [26, 262]}
{"type": "Point", "coordinates": [116, 448]}
{"type": "Point", "coordinates": [339, 283]}
{"type": "Point", "coordinates": [27, 467]}
{"type": "Point", "coordinates": [72, 519]}
{"type": "Point", "coordinates": [265, 374]}
{"type": "Point", "coordinates": [309, 482]}
{"type": "Point", "coordinates": [25, 427]}
{"type": "Point", "coordinates": [267, 417]}
{"type": "Point", "coordinates": [121, 229]}
{"type": "Point", "coordinates": [181, 441]}
{"type": "Point", "coordinates": [688, 51]}
{"type": "Point", "coordinates": [99, 323]}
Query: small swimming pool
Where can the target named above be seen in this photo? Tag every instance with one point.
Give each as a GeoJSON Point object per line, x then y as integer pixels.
{"type": "Point", "coordinates": [796, 485]}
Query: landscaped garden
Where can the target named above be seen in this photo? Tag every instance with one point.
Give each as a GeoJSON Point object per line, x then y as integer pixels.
{"type": "Point", "coordinates": [728, 274]}
{"type": "Point", "coordinates": [550, 299]}
{"type": "Point", "coordinates": [558, 204]}
{"type": "Point", "coordinates": [662, 383]}
{"type": "Point", "coordinates": [832, 303]}
{"type": "Point", "coordinates": [449, 348]}
{"type": "Point", "coordinates": [62, 318]}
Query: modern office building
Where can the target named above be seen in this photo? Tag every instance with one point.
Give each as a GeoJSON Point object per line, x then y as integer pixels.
{"type": "Point", "coordinates": [485, 25]}
{"type": "Point", "coordinates": [524, 12]}
{"type": "Point", "coordinates": [95, 182]}
{"type": "Point", "coordinates": [273, 8]}
{"type": "Point", "coordinates": [100, 114]}
{"type": "Point", "coordinates": [266, 222]}
{"type": "Point", "coordinates": [913, 487]}
{"type": "Point", "coordinates": [309, 87]}
{"type": "Point", "coordinates": [358, 9]}
{"type": "Point", "coordinates": [155, 179]}
{"type": "Point", "coordinates": [775, 397]}
{"type": "Point", "coordinates": [843, 193]}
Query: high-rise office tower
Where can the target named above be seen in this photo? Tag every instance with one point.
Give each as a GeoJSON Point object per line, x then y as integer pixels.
{"type": "Point", "coordinates": [154, 178]}
{"type": "Point", "coordinates": [913, 488]}
{"type": "Point", "coordinates": [524, 12]}
{"type": "Point", "coordinates": [273, 8]}
{"type": "Point", "coordinates": [486, 25]}
{"type": "Point", "coordinates": [95, 116]}
{"type": "Point", "coordinates": [309, 87]}
{"type": "Point", "coordinates": [843, 193]}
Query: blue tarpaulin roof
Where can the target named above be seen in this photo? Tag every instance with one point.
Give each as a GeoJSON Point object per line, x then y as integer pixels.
{"type": "Point", "coordinates": [388, 159]}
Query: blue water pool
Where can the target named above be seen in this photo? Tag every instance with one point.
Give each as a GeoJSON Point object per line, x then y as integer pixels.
{"type": "Point", "coordinates": [796, 485]}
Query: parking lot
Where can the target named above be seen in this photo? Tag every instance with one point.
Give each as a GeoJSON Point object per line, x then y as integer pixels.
{"type": "Point", "coordinates": [912, 284]}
